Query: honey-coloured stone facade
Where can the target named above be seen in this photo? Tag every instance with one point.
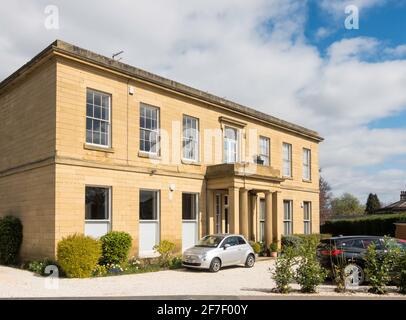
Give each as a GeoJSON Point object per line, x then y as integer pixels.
{"type": "Point", "coordinates": [46, 163]}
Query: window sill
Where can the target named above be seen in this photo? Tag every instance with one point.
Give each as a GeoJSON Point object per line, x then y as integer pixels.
{"type": "Point", "coordinates": [307, 181]}
{"type": "Point", "coordinates": [287, 177]}
{"type": "Point", "coordinates": [191, 162]}
{"type": "Point", "coordinates": [98, 148]}
{"type": "Point", "coordinates": [148, 155]}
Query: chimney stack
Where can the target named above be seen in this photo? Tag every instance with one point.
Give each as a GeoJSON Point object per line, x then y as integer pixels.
{"type": "Point", "coordinates": [402, 195]}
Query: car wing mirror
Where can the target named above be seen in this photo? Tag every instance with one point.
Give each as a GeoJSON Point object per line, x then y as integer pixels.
{"type": "Point", "coordinates": [226, 246]}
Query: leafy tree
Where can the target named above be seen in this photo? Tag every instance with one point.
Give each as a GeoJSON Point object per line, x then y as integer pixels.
{"type": "Point", "coordinates": [325, 200]}
{"type": "Point", "coordinates": [347, 204]}
{"type": "Point", "coordinates": [372, 204]}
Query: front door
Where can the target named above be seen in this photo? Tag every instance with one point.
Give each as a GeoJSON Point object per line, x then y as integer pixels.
{"type": "Point", "coordinates": [217, 214]}
{"type": "Point", "coordinates": [148, 222]}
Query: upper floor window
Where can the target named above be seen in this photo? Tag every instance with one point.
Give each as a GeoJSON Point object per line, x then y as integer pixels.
{"type": "Point", "coordinates": [306, 164]}
{"type": "Point", "coordinates": [231, 142]}
{"type": "Point", "coordinates": [263, 156]}
{"type": "Point", "coordinates": [287, 160]}
{"type": "Point", "coordinates": [98, 110]}
{"type": "Point", "coordinates": [190, 138]}
{"type": "Point", "coordinates": [149, 127]}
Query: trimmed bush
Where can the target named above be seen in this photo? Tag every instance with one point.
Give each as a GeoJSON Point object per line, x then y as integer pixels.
{"type": "Point", "coordinates": [116, 246]}
{"type": "Point", "coordinates": [11, 237]}
{"type": "Point", "coordinates": [377, 225]}
{"type": "Point", "coordinates": [78, 255]}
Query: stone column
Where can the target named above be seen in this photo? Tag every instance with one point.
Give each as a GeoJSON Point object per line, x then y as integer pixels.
{"type": "Point", "coordinates": [253, 217]}
{"type": "Point", "coordinates": [234, 209]}
{"type": "Point", "coordinates": [277, 212]}
{"type": "Point", "coordinates": [268, 219]}
{"type": "Point", "coordinates": [244, 212]}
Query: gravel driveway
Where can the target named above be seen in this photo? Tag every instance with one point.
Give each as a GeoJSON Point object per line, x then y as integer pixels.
{"type": "Point", "coordinates": [236, 281]}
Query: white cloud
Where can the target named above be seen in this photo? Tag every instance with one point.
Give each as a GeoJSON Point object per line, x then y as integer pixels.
{"type": "Point", "coordinates": [254, 53]}
{"type": "Point", "coordinates": [397, 52]}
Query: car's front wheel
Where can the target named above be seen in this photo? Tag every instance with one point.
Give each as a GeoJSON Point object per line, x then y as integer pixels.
{"type": "Point", "coordinates": [215, 265]}
{"type": "Point", "coordinates": [249, 263]}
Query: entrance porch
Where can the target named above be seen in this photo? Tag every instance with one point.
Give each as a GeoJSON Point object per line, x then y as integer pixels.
{"type": "Point", "coordinates": [244, 199]}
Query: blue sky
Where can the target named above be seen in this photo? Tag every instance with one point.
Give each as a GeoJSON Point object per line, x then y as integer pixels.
{"type": "Point", "coordinates": [386, 22]}
{"type": "Point", "coordinates": [292, 59]}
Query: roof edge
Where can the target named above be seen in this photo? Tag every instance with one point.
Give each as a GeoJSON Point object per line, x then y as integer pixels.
{"type": "Point", "coordinates": [92, 57]}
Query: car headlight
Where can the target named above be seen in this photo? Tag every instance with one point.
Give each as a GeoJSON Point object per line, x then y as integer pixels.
{"type": "Point", "coordinates": [203, 256]}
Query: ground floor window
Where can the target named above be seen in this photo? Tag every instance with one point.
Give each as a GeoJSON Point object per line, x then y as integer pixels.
{"type": "Point", "coordinates": [190, 214]}
{"type": "Point", "coordinates": [149, 228]}
{"type": "Point", "coordinates": [97, 210]}
{"type": "Point", "coordinates": [189, 206]}
{"type": "Point", "coordinates": [148, 205]}
{"type": "Point", "coordinates": [287, 217]}
{"type": "Point", "coordinates": [307, 214]}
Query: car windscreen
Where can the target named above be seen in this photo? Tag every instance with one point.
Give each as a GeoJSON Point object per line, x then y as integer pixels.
{"type": "Point", "coordinates": [210, 241]}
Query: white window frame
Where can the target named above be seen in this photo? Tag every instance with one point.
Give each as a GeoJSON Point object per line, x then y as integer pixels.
{"type": "Point", "coordinates": [109, 207]}
{"type": "Point", "coordinates": [266, 156]}
{"type": "Point", "coordinates": [307, 221]}
{"type": "Point", "coordinates": [193, 140]}
{"type": "Point", "coordinates": [288, 219]}
{"type": "Point", "coordinates": [227, 141]}
{"type": "Point", "coordinates": [92, 118]}
{"type": "Point", "coordinates": [156, 131]}
{"type": "Point", "coordinates": [307, 156]}
{"type": "Point", "coordinates": [287, 161]}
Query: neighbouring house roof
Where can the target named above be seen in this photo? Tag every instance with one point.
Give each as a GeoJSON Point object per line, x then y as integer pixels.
{"type": "Point", "coordinates": [398, 206]}
{"type": "Point", "coordinates": [128, 70]}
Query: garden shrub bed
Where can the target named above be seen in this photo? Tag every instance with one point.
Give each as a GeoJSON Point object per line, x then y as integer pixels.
{"type": "Point", "coordinates": [377, 225]}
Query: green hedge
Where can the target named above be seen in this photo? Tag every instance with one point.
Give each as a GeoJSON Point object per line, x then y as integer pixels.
{"type": "Point", "coordinates": [295, 240]}
{"type": "Point", "coordinates": [11, 237]}
{"type": "Point", "coordinates": [374, 225]}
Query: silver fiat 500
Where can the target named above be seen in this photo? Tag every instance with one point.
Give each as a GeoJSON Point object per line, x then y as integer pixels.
{"type": "Point", "coordinates": [219, 250]}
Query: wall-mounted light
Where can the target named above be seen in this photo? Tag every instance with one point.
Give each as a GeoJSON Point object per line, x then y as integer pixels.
{"type": "Point", "coordinates": [130, 90]}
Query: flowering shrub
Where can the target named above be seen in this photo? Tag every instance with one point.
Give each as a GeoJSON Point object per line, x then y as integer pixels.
{"type": "Point", "coordinates": [165, 249]}
{"type": "Point", "coordinates": [38, 266]}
